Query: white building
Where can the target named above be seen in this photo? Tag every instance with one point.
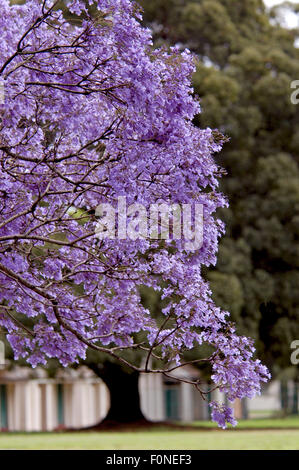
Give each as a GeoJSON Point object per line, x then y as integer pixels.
{"type": "Point", "coordinates": [30, 401]}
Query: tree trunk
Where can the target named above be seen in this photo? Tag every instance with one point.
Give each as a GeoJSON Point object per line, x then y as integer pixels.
{"type": "Point", "coordinates": [124, 393]}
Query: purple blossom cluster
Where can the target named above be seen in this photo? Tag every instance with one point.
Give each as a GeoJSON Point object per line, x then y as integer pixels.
{"type": "Point", "coordinates": [92, 112]}
{"type": "Point", "coordinates": [222, 414]}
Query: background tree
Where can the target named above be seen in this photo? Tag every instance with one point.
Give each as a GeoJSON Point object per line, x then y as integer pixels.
{"type": "Point", "coordinates": [93, 115]}
{"type": "Point", "coordinates": [244, 74]}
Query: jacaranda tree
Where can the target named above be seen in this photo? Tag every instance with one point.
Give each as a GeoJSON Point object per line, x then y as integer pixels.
{"type": "Point", "coordinates": [92, 115]}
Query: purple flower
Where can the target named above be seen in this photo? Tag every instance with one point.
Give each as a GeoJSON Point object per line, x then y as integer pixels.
{"type": "Point", "coordinates": [93, 113]}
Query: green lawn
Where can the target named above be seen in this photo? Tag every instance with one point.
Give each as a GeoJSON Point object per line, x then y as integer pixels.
{"type": "Point", "coordinates": [291, 422]}
{"type": "Point", "coordinates": [158, 440]}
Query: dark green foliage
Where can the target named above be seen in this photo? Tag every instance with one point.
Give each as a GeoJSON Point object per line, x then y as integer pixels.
{"type": "Point", "coordinates": [246, 66]}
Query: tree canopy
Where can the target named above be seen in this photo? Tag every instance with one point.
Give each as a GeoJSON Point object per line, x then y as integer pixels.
{"type": "Point", "coordinates": [247, 62]}
{"type": "Point", "coordinates": [92, 116]}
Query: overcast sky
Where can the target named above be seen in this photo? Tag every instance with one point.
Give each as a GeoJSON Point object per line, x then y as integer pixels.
{"type": "Point", "coordinates": [291, 19]}
{"type": "Point", "coordinates": [271, 3]}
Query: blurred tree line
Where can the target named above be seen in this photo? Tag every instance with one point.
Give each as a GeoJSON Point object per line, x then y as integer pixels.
{"type": "Point", "coordinates": [247, 62]}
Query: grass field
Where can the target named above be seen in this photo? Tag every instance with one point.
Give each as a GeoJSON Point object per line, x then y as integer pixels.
{"type": "Point", "coordinates": [278, 423]}
{"type": "Point", "coordinates": [251, 435]}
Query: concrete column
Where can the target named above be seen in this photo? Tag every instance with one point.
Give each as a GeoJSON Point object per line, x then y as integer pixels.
{"type": "Point", "coordinates": [160, 406]}
{"type": "Point", "coordinates": [97, 401]}
{"type": "Point", "coordinates": [11, 406]}
{"type": "Point", "coordinates": [151, 395]}
{"type": "Point", "coordinates": [51, 406]}
{"type": "Point", "coordinates": [19, 407]}
{"type": "Point", "coordinates": [85, 403]}
{"type": "Point", "coordinates": [91, 400]}
{"type": "Point", "coordinates": [104, 400]}
{"type": "Point", "coordinates": [149, 391]}
{"type": "Point", "coordinates": [187, 405]}
{"type": "Point", "coordinates": [143, 394]}
{"type": "Point", "coordinates": [76, 405]}
{"type": "Point", "coordinates": [34, 412]}
{"type": "Point", "coordinates": [28, 406]}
